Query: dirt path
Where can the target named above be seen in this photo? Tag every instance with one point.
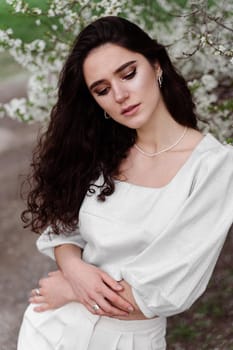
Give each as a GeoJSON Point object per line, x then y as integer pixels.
{"type": "Point", "coordinates": [20, 264]}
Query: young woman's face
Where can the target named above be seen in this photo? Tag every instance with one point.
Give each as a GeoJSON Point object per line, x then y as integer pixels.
{"type": "Point", "coordinates": [124, 84]}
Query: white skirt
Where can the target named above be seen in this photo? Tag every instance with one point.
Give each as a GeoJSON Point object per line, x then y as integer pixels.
{"type": "Point", "coordinates": [73, 327]}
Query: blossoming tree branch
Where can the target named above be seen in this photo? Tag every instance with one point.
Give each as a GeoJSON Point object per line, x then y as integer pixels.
{"type": "Point", "coordinates": [198, 35]}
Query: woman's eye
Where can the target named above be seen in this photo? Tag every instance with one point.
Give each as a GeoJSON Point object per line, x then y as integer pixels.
{"type": "Point", "coordinates": [130, 75]}
{"type": "Point", "coordinates": [102, 92]}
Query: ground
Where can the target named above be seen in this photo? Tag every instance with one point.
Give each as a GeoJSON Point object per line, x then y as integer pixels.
{"type": "Point", "coordinates": [207, 326]}
{"type": "Point", "coordinates": [20, 264]}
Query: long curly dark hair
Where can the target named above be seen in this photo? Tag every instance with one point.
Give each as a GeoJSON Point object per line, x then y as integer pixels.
{"type": "Point", "coordinates": [79, 143]}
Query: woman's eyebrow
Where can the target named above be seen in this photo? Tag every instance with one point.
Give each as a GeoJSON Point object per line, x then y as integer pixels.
{"type": "Point", "coordinates": [118, 70]}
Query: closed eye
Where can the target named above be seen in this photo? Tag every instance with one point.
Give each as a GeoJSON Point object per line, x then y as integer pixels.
{"type": "Point", "coordinates": [130, 75]}
{"type": "Point", "coordinates": [102, 92]}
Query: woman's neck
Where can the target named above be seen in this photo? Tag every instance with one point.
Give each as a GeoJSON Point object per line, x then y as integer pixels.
{"type": "Point", "coordinates": [161, 133]}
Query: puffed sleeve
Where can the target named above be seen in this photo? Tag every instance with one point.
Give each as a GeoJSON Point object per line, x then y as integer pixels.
{"type": "Point", "coordinates": [174, 270]}
{"type": "Point", "coordinates": [48, 241]}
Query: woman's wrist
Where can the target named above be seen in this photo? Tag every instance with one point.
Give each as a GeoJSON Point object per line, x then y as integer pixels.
{"type": "Point", "coordinates": [67, 250]}
{"type": "Point", "coordinates": [75, 264]}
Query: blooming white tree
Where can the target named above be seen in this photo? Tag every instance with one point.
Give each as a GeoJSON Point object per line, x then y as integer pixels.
{"type": "Point", "coordinates": [198, 37]}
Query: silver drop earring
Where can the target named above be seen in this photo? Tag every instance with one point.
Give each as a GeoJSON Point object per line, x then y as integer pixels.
{"type": "Point", "coordinates": [160, 80]}
{"type": "Point", "coordinates": [106, 116]}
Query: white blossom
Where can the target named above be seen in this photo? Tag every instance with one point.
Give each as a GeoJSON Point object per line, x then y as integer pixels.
{"type": "Point", "coordinates": [203, 41]}
{"type": "Point", "coordinates": [165, 5]}
{"type": "Point", "coordinates": [36, 11]}
{"type": "Point", "coordinates": [16, 107]}
{"type": "Point", "coordinates": [3, 35]}
{"type": "Point", "coordinates": [221, 48]}
{"type": "Point", "coordinates": [9, 31]}
{"type": "Point", "coordinates": [51, 13]}
{"type": "Point", "coordinates": [209, 82]}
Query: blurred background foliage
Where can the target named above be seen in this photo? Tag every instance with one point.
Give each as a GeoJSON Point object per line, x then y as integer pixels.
{"type": "Point", "coordinates": [25, 27]}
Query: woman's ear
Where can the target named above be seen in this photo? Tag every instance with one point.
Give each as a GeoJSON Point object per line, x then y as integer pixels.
{"type": "Point", "coordinates": [158, 74]}
{"type": "Point", "coordinates": [158, 70]}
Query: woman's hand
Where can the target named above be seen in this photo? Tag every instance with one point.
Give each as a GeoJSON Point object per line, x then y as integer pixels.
{"type": "Point", "coordinates": [93, 286]}
{"type": "Point", "coordinates": [54, 292]}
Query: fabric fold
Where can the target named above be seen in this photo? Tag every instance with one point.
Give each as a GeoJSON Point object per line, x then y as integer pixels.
{"type": "Point", "coordinates": [64, 328]}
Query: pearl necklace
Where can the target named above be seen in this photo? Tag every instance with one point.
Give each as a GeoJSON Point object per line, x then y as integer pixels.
{"type": "Point", "coordinates": [163, 150]}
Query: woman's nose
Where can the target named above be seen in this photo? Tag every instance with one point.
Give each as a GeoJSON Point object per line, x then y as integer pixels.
{"type": "Point", "coordinates": [120, 94]}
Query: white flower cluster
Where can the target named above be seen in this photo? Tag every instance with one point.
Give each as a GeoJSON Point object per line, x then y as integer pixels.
{"type": "Point", "coordinates": [199, 38]}
{"type": "Point", "coordinates": [44, 67]}
{"type": "Point", "coordinates": [108, 7]}
{"type": "Point", "coordinates": [29, 55]}
{"type": "Point", "coordinates": [18, 5]}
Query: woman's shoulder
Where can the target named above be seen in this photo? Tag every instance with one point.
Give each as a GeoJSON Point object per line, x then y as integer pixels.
{"type": "Point", "coordinates": [212, 169]}
{"type": "Point", "coordinates": [214, 146]}
{"type": "Point", "coordinates": [206, 146]}
{"type": "Point", "coordinates": [215, 153]}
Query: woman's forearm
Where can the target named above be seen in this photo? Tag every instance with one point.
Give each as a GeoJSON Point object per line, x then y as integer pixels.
{"type": "Point", "coordinates": [66, 255]}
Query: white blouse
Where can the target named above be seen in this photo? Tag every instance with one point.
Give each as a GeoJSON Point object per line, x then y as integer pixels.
{"type": "Point", "coordinates": [163, 241]}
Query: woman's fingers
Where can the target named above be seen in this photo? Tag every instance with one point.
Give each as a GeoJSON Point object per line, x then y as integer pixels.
{"type": "Point", "coordinates": [42, 307]}
{"type": "Point", "coordinates": [40, 300]}
{"type": "Point", "coordinates": [111, 282]}
{"type": "Point", "coordinates": [107, 297]}
{"type": "Point", "coordinates": [109, 309]}
{"type": "Point", "coordinates": [54, 273]}
{"type": "Point", "coordinates": [117, 301]}
{"type": "Point", "coordinates": [98, 312]}
{"type": "Point", "coordinates": [36, 299]}
{"type": "Point", "coordinates": [109, 293]}
{"type": "Point", "coordinates": [102, 307]}
{"type": "Point", "coordinates": [35, 292]}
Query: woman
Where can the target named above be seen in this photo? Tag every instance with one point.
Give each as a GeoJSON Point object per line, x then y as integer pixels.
{"type": "Point", "coordinates": [137, 201]}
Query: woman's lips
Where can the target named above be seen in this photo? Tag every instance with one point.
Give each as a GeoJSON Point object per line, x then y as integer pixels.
{"type": "Point", "coordinates": [130, 110]}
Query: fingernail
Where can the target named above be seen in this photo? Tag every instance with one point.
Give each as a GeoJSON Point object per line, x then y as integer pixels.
{"type": "Point", "coordinates": [130, 308]}
{"type": "Point", "coordinates": [119, 287]}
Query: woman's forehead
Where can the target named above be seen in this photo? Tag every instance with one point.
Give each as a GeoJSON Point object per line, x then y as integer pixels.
{"type": "Point", "coordinates": [107, 58]}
